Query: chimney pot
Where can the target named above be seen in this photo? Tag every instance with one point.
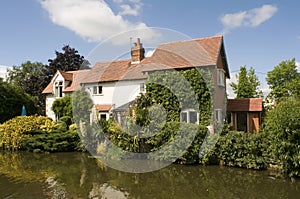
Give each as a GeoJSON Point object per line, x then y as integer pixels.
{"type": "Point", "coordinates": [137, 52]}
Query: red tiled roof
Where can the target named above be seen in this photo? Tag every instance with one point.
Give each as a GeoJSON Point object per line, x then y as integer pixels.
{"type": "Point", "coordinates": [247, 105]}
{"type": "Point", "coordinates": [67, 75]}
{"type": "Point", "coordinates": [48, 89]}
{"type": "Point", "coordinates": [74, 77]}
{"type": "Point", "coordinates": [182, 54]}
{"type": "Point", "coordinates": [114, 71]}
{"type": "Point", "coordinates": [78, 77]}
{"type": "Point", "coordinates": [105, 107]}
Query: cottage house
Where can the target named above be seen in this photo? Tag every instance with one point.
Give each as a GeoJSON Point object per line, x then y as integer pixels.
{"type": "Point", "coordinates": [113, 85]}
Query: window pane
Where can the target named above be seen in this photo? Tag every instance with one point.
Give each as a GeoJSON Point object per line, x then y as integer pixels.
{"type": "Point", "coordinates": [95, 90]}
{"type": "Point", "coordinates": [99, 89]}
{"type": "Point", "coordinates": [193, 117]}
{"type": "Point", "coordinates": [60, 89]}
{"type": "Point", "coordinates": [102, 116]}
{"type": "Point", "coordinates": [183, 116]}
{"type": "Point", "coordinates": [142, 87]}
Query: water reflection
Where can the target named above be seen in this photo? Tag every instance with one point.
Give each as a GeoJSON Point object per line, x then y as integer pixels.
{"type": "Point", "coordinates": [76, 175]}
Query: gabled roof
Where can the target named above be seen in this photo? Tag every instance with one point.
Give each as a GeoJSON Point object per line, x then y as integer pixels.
{"type": "Point", "coordinates": [104, 108]}
{"type": "Point", "coordinates": [74, 78]}
{"type": "Point", "coordinates": [68, 76]}
{"type": "Point", "coordinates": [190, 53]}
{"type": "Point", "coordinates": [175, 55]}
{"type": "Point", "coordinates": [244, 105]}
{"type": "Point", "coordinates": [114, 71]}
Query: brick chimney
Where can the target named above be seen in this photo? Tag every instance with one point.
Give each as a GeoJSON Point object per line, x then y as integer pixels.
{"type": "Point", "coordinates": [137, 52]}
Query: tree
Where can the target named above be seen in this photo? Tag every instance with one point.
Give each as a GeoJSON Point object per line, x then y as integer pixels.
{"type": "Point", "coordinates": [63, 107]}
{"type": "Point", "coordinates": [29, 77]}
{"type": "Point", "coordinates": [247, 86]}
{"type": "Point", "coordinates": [282, 125]}
{"type": "Point", "coordinates": [68, 60]}
{"type": "Point", "coordinates": [12, 99]}
{"type": "Point", "coordinates": [284, 80]}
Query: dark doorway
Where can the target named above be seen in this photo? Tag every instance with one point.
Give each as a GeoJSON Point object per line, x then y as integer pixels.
{"type": "Point", "coordinates": [241, 118]}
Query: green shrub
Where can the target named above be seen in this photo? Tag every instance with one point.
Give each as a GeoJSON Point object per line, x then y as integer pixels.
{"type": "Point", "coordinates": [13, 130]}
{"type": "Point", "coordinates": [239, 149]}
{"type": "Point", "coordinates": [56, 141]}
{"type": "Point", "coordinates": [282, 126]}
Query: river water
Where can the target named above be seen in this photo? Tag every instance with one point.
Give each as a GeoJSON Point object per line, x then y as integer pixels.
{"type": "Point", "coordinates": [77, 175]}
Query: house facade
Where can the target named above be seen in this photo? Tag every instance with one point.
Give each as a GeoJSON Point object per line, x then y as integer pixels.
{"type": "Point", "coordinates": [115, 84]}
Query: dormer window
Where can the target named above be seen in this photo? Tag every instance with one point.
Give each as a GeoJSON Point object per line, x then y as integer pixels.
{"type": "Point", "coordinates": [221, 77]}
{"type": "Point", "coordinates": [97, 90]}
{"type": "Point", "coordinates": [59, 89]}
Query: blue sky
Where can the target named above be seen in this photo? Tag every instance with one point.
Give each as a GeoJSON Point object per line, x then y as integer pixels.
{"type": "Point", "coordinates": [260, 34]}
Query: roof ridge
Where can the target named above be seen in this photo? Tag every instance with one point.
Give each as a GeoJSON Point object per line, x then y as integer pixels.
{"type": "Point", "coordinates": [189, 40]}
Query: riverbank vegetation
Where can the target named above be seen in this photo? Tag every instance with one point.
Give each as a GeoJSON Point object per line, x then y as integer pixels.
{"type": "Point", "coordinates": [276, 145]}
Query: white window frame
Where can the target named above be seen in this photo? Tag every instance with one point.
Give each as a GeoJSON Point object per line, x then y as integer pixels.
{"type": "Point", "coordinates": [218, 115]}
{"type": "Point", "coordinates": [102, 114]}
{"type": "Point", "coordinates": [220, 77]}
{"type": "Point", "coordinates": [58, 89]}
{"type": "Point", "coordinates": [188, 116]}
{"type": "Point", "coordinates": [96, 90]}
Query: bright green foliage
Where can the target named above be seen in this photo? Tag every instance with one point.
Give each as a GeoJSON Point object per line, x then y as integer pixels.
{"type": "Point", "coordinates": [282, 126]}
{"type": "Point", "coordinates": [239, 149]}
{"type": "Point", "coordinates": [56, 141]}
{"type": "Point", "coordinates": [284, 80]}
{"type": "Point", "coordinates": [179, 90]}
{"type": "Point", "coordinates": [247, 84]}
{"type": "Point", "coordinates": [81, 104]}
{"type": "Point", "coordinates": [63, 107]}
{"type": "Point", "coordinates": [38, 134]}
{"type": "Point", "coordinates": [17, 128]}
{"type": "Point", "coordinates": [172, 139]}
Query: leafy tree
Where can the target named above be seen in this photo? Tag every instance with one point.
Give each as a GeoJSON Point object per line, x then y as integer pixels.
{"type": "Point", "coordinates": [284, 80]}
{"type": "Point", "coordinates": [81, 104]}
{"type": "Point", "coordinates": [282, 125]}
{"type": "Point", "coordinates": [29, 77]}
{"type": "Point", "coordinates": [63, 107]}
{"type": "Point", "coordinates": [68, 60]}
{"type": "Point", "coordinates": [247, 86]}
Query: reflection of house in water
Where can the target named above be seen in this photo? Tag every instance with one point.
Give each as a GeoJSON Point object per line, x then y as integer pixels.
{"type": "Point", "coordinates": [245, 114]}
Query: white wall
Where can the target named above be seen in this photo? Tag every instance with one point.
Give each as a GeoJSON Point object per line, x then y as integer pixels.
{"type": "Point", "coordinates": [49, 101]}
{"type": "Point", "coordinates": [115, 93]}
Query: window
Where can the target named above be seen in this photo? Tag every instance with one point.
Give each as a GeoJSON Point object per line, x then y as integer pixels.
{"type": "Point", "coordinates": [218, 116]}
{"type": "Point", "coordinates": [189, 116]}
{"type": "Point", "coordinates": [59, 89]}
{"type": "Point", "coordinates": [97, 90]}
{"type": "Point", "coordinates": [142, 87]}
{"type": "Point", "coordinates": [221, 77]}
{"type": "Point", "coordinates": [102, 116]}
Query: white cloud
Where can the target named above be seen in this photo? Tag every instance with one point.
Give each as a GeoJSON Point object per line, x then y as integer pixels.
{"type": "Point", "coordinates": [3, 71]}
{"type": "Point", "coordinates": [132, 7]}
{"type": "Point", "coordinates": [93, 20]}
{"type": "Point", "coordinates": [249, 18]}
{"type": "Point", "coordinates": [298, 66]}
{"type": "Point", "coordinates": [233, 78]}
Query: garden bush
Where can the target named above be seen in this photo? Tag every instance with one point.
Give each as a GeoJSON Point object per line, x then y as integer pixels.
{"type": "Point", "coordinates": [17, 128]}
{"type": "Point", "coordinates": [282, 127]}
{"type": "Point", "coordinates": [239, 149]}
{"type": "Point", "coordinates": [38, 134]}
